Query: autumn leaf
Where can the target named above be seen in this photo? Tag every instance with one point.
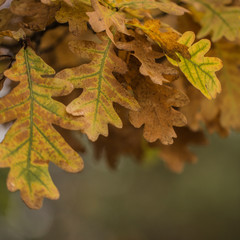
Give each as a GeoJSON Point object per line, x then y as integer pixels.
{"type": "Point", "coordinates": [75, 15]}
{"type": "Point", "coordinates": [157, 113]}
{"type": "Point", "coordinates": [103, 18]}
{"type": "Point", "coordinates": [143, 51]}
{"type": "Point", "coordinates": [100, 87]}
{"type": "Point", "coordinates": [166, 39]}
{"type": "Point", "coordinates": [32, 141]}
{"type": "Point", "coordinates": [199, 70]}
{"type": "Point", "coordinates": [218, 19]}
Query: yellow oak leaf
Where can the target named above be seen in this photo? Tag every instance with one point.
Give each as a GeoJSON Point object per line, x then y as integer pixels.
{"type": "Point", "coordinates": [100, 87]}
{"type": "Point", "coordinates": [218, 19]}
{"type": "Point", "coordinates": [143, 51]}
{"type": "Point", "coordinates": [32, 141]}
{"type": "Point", "coordinates": [75, 15]}
{"type": "Point", "coordinates": [199, 70]}
{"type": "Point", "coordinates": [167, 39]}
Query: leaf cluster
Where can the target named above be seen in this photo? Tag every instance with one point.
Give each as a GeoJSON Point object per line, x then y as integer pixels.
{"type": "Point", "coordinates": [120, 71]}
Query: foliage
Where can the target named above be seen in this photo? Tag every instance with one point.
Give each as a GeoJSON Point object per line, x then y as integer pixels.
{"type": "Point", "coordinates": [118, 62]}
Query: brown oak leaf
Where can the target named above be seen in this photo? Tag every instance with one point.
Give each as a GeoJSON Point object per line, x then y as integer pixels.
{"type": "Point", "coordinates": [157, 113]}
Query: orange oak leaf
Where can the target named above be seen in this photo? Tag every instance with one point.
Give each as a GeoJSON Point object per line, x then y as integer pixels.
{"type": "Point", "coordinates": [32, 142]}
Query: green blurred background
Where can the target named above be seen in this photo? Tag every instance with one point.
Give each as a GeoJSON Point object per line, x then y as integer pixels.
{"type": "Point", "coordinates": [136, 202]}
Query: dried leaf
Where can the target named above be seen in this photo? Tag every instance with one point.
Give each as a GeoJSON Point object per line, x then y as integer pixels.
{"type": "Point", "coordinates": [199, 70]}
{"type": "Point", "coordinates": [100, 88]}
{"type": "Point", "coordinates": [157, 113]}
{"type": "Point", "coordinates": [103, 18]}
{"type": "Point", "coordinates": [32, 141]}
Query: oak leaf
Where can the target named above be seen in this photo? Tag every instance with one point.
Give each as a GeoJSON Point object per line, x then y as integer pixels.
{"type": "Point", "coordinates": [157, 113]}
{"type": "Point", "coordinates": [102, 19]}
{"type": "Point", "coordinates": [100, 87]}
{"type": "Point", "coordinates": [32, 141]}
{"type": "Point", "coordinates": [199, 70]}
{"type": "Point", "coordinates": [218, 19]}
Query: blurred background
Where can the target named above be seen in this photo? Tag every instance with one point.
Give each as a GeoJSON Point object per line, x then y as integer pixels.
{"type": "Point", "coordinates": [136, 201]}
